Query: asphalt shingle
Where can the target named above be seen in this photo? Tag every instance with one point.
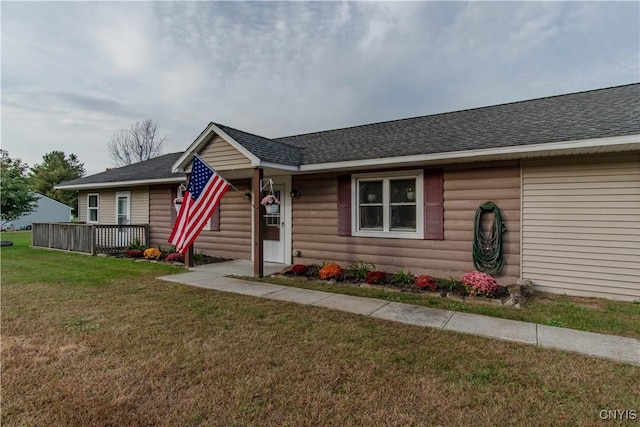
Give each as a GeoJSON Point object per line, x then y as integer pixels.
{"type": "Point", "coordinates": [592, 114]}
{"type": "Point", "coordinates": [152, 169]}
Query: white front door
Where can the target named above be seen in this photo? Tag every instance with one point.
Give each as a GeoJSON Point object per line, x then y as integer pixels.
{"type": "Point", "coordinates": [123, 214]}
{"type": "Point", "coordinates": [274, 229]}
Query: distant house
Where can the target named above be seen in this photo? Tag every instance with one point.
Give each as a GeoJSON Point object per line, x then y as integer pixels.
{"type": "Point", "coordinates": [563, 170]}
{"type": "Point", "coordinates": [47, 210]}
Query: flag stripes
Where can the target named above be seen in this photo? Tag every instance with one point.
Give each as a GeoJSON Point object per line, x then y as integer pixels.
{"type": "Point", "coordinates": [202, 198]}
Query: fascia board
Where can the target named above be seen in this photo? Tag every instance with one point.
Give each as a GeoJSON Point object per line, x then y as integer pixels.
{"type": "Point", "coordinates": [290, 168]}
{"type": "Point", "coordinates": [471, 154]}
{"type": "Point", "coordinates": [116, 184]}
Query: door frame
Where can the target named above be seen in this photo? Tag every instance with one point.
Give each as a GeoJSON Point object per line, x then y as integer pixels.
{"type": "Point", "coordinates": [287, 235]}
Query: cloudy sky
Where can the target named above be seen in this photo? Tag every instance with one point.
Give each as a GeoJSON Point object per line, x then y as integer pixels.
{"type": "Point", "coordinates": [74, 73]}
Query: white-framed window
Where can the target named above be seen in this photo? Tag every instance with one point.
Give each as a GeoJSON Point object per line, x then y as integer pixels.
{"type": "Point", "coordinates": [388, 205]}
{"type": "Point", "coordinates": [92, 207]}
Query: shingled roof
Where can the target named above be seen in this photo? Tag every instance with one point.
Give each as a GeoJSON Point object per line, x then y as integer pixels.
{"type": "Point", "coordinates": [600, 113]}
{"type": "Point", "coordinates": [585, 115]}
{"type": "Point", "coordinates": [158, 168]}
{"type": "Point", "coordinates": [268, 150]}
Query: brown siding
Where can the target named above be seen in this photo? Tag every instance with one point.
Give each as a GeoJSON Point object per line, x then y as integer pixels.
{"type": "Point", "coordinates": [232, 241]}
{"type": "Point", "coordinates": [315, 225]}
{"type": "Point", "coordinates": [160, 213]}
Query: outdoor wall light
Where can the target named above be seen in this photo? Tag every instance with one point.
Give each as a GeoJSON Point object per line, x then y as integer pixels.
{"type": "Point", "coordinates": [247, 196]}
{"type": "Point", "coordinates": [295, 194]}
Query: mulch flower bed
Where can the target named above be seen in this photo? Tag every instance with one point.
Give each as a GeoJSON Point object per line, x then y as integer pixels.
{"type": "Point", "coordinates": [474, 287]}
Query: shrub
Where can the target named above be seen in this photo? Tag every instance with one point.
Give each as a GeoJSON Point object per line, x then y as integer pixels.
{"type": "Point", "coordinates": [175, 257]}
{"type": "Point", "coordinates": [137, 245]}
{"type": "Point", "coordinates": [375, 277]}
{"type": "Point", "coordinates": [313, 271]}
{"type": "Point", "coordinates": [449, 284]}
{"type": "Point", "coordinates": [135, 253]}
{"type": "Point", "coordinates": [359, 269]}
{"type": "Point", "coordinates": [402, 277]}
{"type": "Point", "coordinates": [330, 271]}
{"type": "Point", "coordinates": [480, 284]}
{"type": "Point", "coordinates": [299, 269]}
{"type": "Point", "coordinates": [426, 282]}
{"type": "Point", "coordinates": [152, 253]}
{"type": "Point", "coordinates": [168, 250]}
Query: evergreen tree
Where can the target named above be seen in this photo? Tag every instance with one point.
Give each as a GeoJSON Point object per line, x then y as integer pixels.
{"type": "Point", "coordinates": [56, 168]}
{"type": "Point", "coordinates": [15, 197]}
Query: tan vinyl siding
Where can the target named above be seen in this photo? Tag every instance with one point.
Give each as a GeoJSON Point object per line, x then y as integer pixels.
{"type": "Point", "coordinates": [139, 205]}
{"type": "Point", "coordinates": [107, 205]}
{"type": "Point", "coordinates": [581, 226]}
{"type": "Point", "coordinates": [222, 156]}
{"type": "Point", "coordinates": [232, 241]}
{"type": "Point", "coordinates": [82, 205]}
{"type": "Point", "coordinates": [315, 226]}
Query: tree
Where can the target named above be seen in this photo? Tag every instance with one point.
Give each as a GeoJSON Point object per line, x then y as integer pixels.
{"type": "Point", "coordinates": [16, 198]}
{"type": "Point", "coordinates": [138, 143]}
{"type": "Point", "coordinates": [55, 168]}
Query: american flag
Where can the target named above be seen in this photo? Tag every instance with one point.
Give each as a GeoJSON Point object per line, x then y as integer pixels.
{"type": "Point", "coordinates": [204, 191]}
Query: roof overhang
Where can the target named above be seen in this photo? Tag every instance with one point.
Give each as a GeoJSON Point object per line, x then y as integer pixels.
{"type": "Point", "coordinates": [563, 148]}
{"type": "Point", "coordinates": [118, 184]}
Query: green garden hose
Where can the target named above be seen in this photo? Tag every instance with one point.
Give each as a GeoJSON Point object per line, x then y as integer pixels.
{"type": "Point", "coordinates": [487, 249]}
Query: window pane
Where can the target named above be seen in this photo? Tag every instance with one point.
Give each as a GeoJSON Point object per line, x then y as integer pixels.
{"type": "Point", "coordinates": [403, 191]}
{"type": "Point", "coordinates": [93, 201]}
{"type": "Point", "coordinates": [403, 218]}
{"type": "Point", "coordinates": [371, 217]}
{"type": "Point", "coordinates": [93, 215]}
{"type": "Point", "coordinates": [370, 192]}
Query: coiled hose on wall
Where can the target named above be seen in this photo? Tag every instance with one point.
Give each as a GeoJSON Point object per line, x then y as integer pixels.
{"type": "Point", "coordinates": [487, 249]}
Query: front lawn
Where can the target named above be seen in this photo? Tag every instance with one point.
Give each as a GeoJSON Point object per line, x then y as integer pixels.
{"type": "Point", "coordinates": [100, 341]}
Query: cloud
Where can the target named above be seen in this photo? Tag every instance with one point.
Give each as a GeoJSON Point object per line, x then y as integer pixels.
{"type": "Point", "coordinates": [74, 73]}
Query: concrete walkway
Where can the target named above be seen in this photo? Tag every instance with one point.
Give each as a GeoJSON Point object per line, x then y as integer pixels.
{"type": "Point", "coordinates": [214, 276]}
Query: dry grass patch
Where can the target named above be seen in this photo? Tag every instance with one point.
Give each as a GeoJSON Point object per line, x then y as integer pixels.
{"type": "Point", "coordinates": [146, 352]}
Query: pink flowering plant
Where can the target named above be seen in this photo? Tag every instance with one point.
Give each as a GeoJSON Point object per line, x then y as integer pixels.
{"type": "Point", "coordinates": [479, 284]}
{"type": "Point", "coordinates": [269, 199]}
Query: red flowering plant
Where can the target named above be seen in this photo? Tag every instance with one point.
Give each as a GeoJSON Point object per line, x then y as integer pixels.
{"type": "Point", "coordinates": [330, 271]}
{"type": "Point", "coordinates": [135, 253]}
{"type": "Point", "coordinates": [480, 284]}
{"type": "Point", "coordinates": [426, 282]}
{"type": "Point", "coordinates": [175, 257]}
{"type": "Point", "coordinates": [375, 277]}
{"type": "Point", "coordinates": [299, 269]}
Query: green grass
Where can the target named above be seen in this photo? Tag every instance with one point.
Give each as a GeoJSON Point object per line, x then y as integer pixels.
{"type": "Point", "coordinates": [125, 348]}
{"type": "Point", "coordinates": [586, 314]}
{"type": "Point", "coordinates": [22, 264]}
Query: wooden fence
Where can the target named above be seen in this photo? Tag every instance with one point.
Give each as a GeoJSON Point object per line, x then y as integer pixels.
{"type": "Point", "coordinates": [88, 238]}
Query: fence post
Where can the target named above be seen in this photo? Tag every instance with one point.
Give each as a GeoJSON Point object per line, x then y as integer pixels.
{"type": "Point", "coordinates": [93, 239]}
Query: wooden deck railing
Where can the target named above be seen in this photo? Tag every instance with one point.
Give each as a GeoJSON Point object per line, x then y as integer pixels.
{"type": "Point", "coordinates": [88, 238]}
